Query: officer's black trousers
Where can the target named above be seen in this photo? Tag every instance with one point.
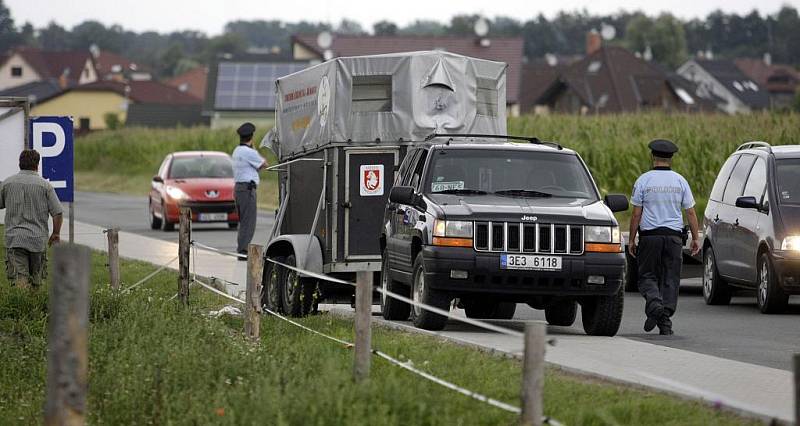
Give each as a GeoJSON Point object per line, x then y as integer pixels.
{"type": "Point", "coordinates": [246, 205]}
{"type": "Point", "coordinates": [660, 260]}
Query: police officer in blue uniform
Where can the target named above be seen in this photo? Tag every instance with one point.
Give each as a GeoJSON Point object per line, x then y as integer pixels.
{"type": "Point", "coordinates": [246, 164]}
{"type": "Point", "coordinates": [659, 197]}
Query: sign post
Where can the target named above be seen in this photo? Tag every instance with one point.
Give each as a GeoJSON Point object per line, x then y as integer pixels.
{"type": "Point", "coordinates": [52, 137]}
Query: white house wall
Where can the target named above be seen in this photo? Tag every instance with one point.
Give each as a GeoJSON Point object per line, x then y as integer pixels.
{"type": "Point", "coordinates": [29, 75]}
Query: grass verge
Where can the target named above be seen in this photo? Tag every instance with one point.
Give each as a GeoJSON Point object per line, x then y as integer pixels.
{"type": "Point", "coordinates": [152, 362]}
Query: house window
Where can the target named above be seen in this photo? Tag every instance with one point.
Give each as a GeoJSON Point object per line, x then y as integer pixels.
{"type": "Point", "coordinates": [486, 95]}
{"type": "Point", "coordinates": [16, 71]}
{"type": "Point", "coordinates": [84, 124]}
{"type": "Point", "coordinates": [372, 93]}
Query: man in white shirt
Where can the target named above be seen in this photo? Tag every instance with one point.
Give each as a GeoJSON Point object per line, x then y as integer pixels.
{"type": "Point", "coordinates": [246, 164]}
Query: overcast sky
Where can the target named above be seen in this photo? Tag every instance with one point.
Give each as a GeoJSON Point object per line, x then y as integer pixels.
{"type": "Point", "coordinates": [210, 16]}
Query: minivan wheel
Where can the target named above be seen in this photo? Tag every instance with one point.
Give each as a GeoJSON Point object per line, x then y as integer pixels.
{"type": "Point", "coordinates": [165, 223]}
{"type": "Point", "coordinates": [271, 285]}
{"type": "Point", "coordinates": [602, 315]}
{"type": "Point", "coordinates": [715, 290]}
{"type": "Point", "coordinates": [489, 309]}
{"type": "Point", "coordinates": [297, 293]}
{"type": "Point", "coordinates": [771, 298]}
{"type": "Point", "coordinates": [391, 308]}
{"type": "Point", "coordinates": [422, 293]}
{"type": "Point", "coordinates": [561, 313]}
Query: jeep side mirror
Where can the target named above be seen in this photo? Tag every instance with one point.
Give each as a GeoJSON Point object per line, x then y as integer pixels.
{"type": "Point", "coordinates": [748, 203]}
{"type": "Point", "coordinates": [402, 195]}
{"type": "Point", "coordinates": [616, 202]}
{"type": "Point", "coordinates": [158, 179]}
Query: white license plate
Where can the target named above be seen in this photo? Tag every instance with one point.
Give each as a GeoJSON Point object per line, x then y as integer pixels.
{"type": "Point", "coordinates": [212, 217]}
{"type": "Point", "coordinates": [534, 263]}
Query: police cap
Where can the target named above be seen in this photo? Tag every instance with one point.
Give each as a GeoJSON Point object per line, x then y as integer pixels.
{"type": "Point", "coordinates": [663, 148]}
{"type": "Point", "coordinates": [246, 131]}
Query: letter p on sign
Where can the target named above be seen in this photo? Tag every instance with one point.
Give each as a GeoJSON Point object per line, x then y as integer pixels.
{"type": "Point", "coordinates": [52, 138]}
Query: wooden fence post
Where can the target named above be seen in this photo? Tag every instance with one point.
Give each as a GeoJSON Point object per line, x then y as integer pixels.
{"type": "Point", "coordinates": [184, 245]}
{"type": "Point", "coordinates": [113, 257]}
{"type": "Point", "coordinates": [252, 307]}
{"type": "Point", "coordinates": [533, 374]}
{"type": "Point", "coordinates": [68, 337]}
{"type": "Point", "coordinates": [363, 344]}
{"type": "Point", "coordinates": [797, 389]}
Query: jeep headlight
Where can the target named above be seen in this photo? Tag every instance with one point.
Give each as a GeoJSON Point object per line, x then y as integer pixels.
{"type": "Point", "coordinates": [601, 234]}
{"type": "Point", "coordinates": [452, 229]}
{"type": "Point", "coordinates": [791, 242]}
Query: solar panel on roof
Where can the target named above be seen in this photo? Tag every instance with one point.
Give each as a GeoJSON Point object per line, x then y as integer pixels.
{"type": "Point", "coordinates": [250, 86]}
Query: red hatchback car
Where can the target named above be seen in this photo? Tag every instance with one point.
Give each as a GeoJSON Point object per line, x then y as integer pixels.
{"type": "Point", "coordinates": [200, 180]}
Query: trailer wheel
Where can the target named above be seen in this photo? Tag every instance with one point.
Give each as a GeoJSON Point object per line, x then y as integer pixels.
{"type": "Point", "coordinates": [271, 285]}
{"type": "Point", "coordinates": [297, 293]}
{"type": "Point", "coordinates": [391, 308]}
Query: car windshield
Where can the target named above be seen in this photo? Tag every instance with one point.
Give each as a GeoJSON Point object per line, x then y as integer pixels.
{"type": "Point", "coordinates": [205, 166]}
{"type": "Point", "coordinates": [788, 176]}
{"type": "Point", "coordinates": [511, 173]}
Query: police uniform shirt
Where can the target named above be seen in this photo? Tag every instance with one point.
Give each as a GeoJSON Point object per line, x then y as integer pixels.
{"type": "Point", "coordinates": [246, 161]}
{"type": "Point", "coordinates": [662, 194]}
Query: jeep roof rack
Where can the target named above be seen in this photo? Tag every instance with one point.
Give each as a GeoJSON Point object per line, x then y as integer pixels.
{"type": "Point", "coordinates": [529, 139]}
{"type": "Point", "coordinates": [755, 144]}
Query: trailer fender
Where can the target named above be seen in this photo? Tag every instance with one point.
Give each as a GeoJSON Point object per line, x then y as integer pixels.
{"type": "Point", "coordinates": [306, 249]}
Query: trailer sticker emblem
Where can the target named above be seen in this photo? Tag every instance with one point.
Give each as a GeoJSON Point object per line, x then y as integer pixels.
{"type": "Point", "coordinates": [371, 180]}
{"type": "Point", "coordinates": [323, 98]}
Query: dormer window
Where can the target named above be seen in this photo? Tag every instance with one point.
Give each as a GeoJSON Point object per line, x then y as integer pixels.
{"type": "Point", "coordinates": [16, 72]}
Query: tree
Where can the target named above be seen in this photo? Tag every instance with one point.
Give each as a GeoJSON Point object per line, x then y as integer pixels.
{"type": "Point", "coordinates": [8, 32]}
{"type": "Point", "coordinates": [347, 26]}
{"type": "Point", "coordinates": [88, 33]}
{"type": "Point", "coordinates": [663, 35]}
{"type": "Point", "coordinates": [384, 28]}
{"type": "Point", "coordinates": [54, 37]}
{"type": "Point", "coordinates": [424, 27]}
{"type": "Point", "coordinates": [170, 59]}
{"type": "Point", "coordinates": [463, 25]}
{"type": "Point", "coordinates": [226, 44]}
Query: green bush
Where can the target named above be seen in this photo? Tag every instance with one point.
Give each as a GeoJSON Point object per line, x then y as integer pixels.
{"type": "Point", "coordinates": [112, 121]}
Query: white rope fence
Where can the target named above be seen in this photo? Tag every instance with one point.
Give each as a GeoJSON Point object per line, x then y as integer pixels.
{"type": "Point", "coordinates": [150, 275]}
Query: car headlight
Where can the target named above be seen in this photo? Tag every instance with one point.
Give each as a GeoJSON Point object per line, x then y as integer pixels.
{"type": "Point", "coordinates": [791, 242]}
{"type": "Point", "coordinates": [602, 234]}
{"type": "Point", "coordinates": [452, 228]}
{"type": "Point", "coordinates": [176, 193]}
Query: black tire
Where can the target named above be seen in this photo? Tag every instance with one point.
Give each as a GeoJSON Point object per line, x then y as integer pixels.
{"type": "Point", "coordinates": [297, 293]}
{"type": "Point", "coordinates": [630, 275]}
{"type": "Point", "coordinates": [562, 312]}
{"type": "Point", "coordinates": [166, 225]}
{"type": "Point", "coordinates": [155, 222]}
{"type": "Point", "coordinates": [715, 290]}
{"type": "Point", "coordinates": [602, 315]}
{"type": "Point", "coordinates": [271, 285]}
{"type": "Point", "coordinates": [423, 318]}
{"type": "Point", "coordinates": [233, 225]}
{"type": "Point", "coordinates": [770, 297]}
{"type": "Point", "coordinates": [391, 308]}
{"type": "Point", "coordinates": [489, 310]}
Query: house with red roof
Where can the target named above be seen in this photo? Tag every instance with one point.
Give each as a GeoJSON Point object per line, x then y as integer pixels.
{"type": "Point", "coordinates": [192, 82]}
{"type": "Point", "coordinates": [27, 65]}
{"type": "Point", "coordinates": [111, 66]}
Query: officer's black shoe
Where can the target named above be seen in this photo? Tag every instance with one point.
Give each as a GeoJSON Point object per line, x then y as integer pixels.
{"type": "Point", "coordinates": [649, 324]}
{"type": "Point", "coordinates": [242, 256]}
{"type": "Point", "coordinates": [665, 331]}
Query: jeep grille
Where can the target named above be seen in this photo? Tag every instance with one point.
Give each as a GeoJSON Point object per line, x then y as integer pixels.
{"type": "Point", "coordinates": [546, 238]}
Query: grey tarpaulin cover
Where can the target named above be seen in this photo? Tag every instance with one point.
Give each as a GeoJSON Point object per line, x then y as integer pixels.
{"type": "Point", "coordinates": [389, 97]}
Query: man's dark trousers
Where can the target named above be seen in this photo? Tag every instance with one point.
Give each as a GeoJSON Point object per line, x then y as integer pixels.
{"type": "Point", "coordinates": [660, 259]}
{"type": "Point", "coordinates": [245, 194]}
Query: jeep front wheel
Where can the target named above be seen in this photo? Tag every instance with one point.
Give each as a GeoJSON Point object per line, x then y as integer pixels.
{"type": "Point", "coordinates": [422, 293]}
{"type": "Point", "coordinates": [602, 315]}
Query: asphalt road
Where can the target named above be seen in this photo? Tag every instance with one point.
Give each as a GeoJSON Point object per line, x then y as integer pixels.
{"type": "Point", "coordinates": [739, 331]}
{"type": "Point", "coordinates": [129, 214]}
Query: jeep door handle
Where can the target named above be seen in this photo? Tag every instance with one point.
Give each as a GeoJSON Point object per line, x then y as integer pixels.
{"type": "Point", "coordinates": [736, 223]}
{"type": "Point", "coordinates": [716, 219]}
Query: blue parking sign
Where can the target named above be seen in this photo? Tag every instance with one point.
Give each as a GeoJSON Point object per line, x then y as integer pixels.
{"type": "Point", "coordinates": [52, 138]}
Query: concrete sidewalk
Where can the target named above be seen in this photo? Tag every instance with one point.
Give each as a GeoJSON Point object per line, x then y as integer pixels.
{"type": "Point", "coordinates": [757, 390]}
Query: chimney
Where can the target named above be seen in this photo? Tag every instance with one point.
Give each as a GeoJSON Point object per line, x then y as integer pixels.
{"type": "Point", "coordinates": [593, 42]}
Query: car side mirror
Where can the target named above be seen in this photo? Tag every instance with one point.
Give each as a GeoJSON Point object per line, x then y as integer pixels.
{"type": "Point", "coordinates": [616, 202]}
{"type": "Point", "coordinates": [158, 179]}
{"type": "Point", "coordinates": [402, 195]}
{"type": "Point", "coordinates": [748, 203]}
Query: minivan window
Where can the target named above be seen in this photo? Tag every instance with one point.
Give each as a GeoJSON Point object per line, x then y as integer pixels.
{"type": "Point", "coordinates": [757, 180]}
{"type": "Point", "coordinates": [736, 183]}
{"type": "Point", "coordinates": [788, 177]}
{"type": "Point", "coordinates": [510, 173]}
{"type": "Point", "coordinates": [722, 178]}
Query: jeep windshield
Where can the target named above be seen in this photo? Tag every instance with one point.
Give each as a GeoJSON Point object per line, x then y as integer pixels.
{"type": "Point", "coordinates": [510, 173]}
{"type": "Point", "coordinates": [788, 177]}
